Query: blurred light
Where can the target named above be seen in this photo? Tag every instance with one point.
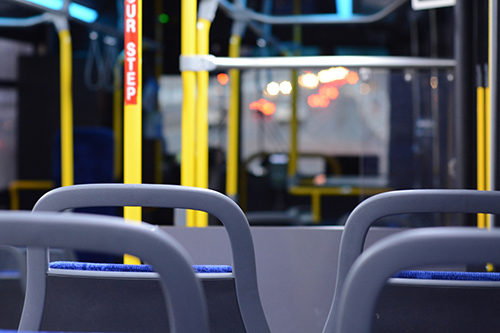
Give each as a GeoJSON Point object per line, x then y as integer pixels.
{"type": "Point", "coordinates": [311, 100]}
{"type": "Point", "coordinates": [268, 109]}
{"type": "Point", "coordinates": [319, 179]}
{"type": "Point", "coordinates": [82, 13]}
{"type": "Point", "coordinates": [324, 76]}
{"type": "Point", "coordinates": [254, 106]}
{"type": "Point", "coordinates": [318, 101]}
{"type": "Point", "coordinates": [273, 88]}
{"type": "Point", "coordinates": [308, 80]}
{"type": "Point", "coordinates": [285, 87]}
{"type": "Point", "coordinates": [352, 78]}
{"type": "Point", "coordinates": [364, 74]}
{"type": "Point", "coordinates": [279, 159]}
{"type": "Point", "coordinates": [163, 18]}
{"type": "Point", "coordinates": [329, 91]}
{"type": "Point", "coordinates": [344, 8]}
{"type": "Point", "coordinates": [261, 42]}
{"type": "Point", "coordinates": [364, 89]}
{"type": "Point", "coordinates": [52, 4]}
{"type": "Point", "coordinates": [76, 10]}
{"type": "Point", "coordinates": [434, 82]}
{"type": "Point", "coordinates": [223, 78]}
{"type": "Point", "coordinates": [324, 102]}
{"type": "Point", "coordinates": [264, 106]}
{"type": "Point", "coordinates": [332, 74]}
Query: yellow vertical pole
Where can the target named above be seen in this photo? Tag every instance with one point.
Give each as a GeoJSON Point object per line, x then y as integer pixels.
{"type": "Point", "coordinates": [292, 163]}
{"type": "Point", "coordinates": [66, 74]}
{"type": "Point", "coordinates": [203, 31]}
{"type": "Point", "coordinates": [488, 187]}
{"type": "Point", "coordinates": [488, 118]}
{"type": "Point", "coordinates": [481, 165]}
{"type": "Point", "coordinates": [489, 115]}
{"type": "Point", "coordinates": [316, 206]}
{"type": "Point", "coordinates": [487, 147]}
{"type": "Point", "coordinates": [294, 128]}
{"type": "Point", "coordinates": [233, 122]}
{"type": "Point", "coordinates": [132, 165]}
{"type": "Point", "coordinates": [188, 48]}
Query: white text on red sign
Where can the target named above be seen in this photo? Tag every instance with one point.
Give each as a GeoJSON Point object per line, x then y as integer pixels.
{"type": "Point", "coordinates": [131, 52]}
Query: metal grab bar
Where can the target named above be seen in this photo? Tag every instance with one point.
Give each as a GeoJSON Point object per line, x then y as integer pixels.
{"type": "Point", "coordinates": [239, 14]}
{"type": "Point", "coordinates": [329, 61]}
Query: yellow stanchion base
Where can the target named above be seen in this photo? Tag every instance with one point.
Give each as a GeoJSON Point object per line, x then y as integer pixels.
{"type": "Point", "coordinates": [132, 215]}
{"type": "Point", "coordinates": [131, 260]}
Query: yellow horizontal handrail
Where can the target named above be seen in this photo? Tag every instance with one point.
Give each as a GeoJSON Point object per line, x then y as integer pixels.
{"type": "Point", "coordinates": [21, 184]}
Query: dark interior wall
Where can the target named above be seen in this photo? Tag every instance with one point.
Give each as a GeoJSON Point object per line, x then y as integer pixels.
{"type": "Point", "coordinates": [39, 112]}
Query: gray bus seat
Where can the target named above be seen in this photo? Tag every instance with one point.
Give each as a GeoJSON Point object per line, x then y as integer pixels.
{"type": "Point", "coordinates": [182, 291]}
{"type": "Point", "coordinates": [12, 285]}
{"type": "Point", "coordinates": [404, 296]}
{"type": "Point", "coordinates": [234, 303]}
{"type": "Point", "coordinates": [116, 290]}
{"type": "Point", "coordinates": [408, 249]}
{"type": "Point", "coordinates": [13, 282]}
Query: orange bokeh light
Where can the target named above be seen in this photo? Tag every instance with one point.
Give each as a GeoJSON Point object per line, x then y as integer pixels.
{"type": "Point", "coordinates": [264, 106]}
{"type": "Point", "coordinates": [318, 101]}
{"type": "Point", "coordinates": [268, 109]}
{"type": "Point", "coordinates": [352, 78]}
{"type": "Point", "coordinates": [223, 78]}
{"type": "Point", "coordinates": [319, 179]}
{"type": "Point", "coordinates": [324, 102]}
{"type": "Point", "coordinates": [329, 91]}
{"type": "Point", "coordinates": [254, 105]}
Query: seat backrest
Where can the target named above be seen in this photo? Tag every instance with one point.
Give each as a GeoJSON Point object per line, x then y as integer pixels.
{"type": "Point", "coordinates": [401, 202]}
{"type": "Point", "coordinates": [408, 249]}
{"type": "Point", "coordinates": [182, 290]}
{"type": "Point", "coordinates": [166, 196]}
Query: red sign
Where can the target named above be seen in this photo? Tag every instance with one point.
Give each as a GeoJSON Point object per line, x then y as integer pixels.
{"type": "Point", "coordinates": [131, 52]}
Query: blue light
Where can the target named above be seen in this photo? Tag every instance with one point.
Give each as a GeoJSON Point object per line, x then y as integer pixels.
{"type": "Point", "coordinates": [83, 13]}
{"type": "Point", "coordinates": [77, 11]}
{"type": "Point", "coordinates": [344, 8]}
{"type": "Point", "coordinates": [52, 4]}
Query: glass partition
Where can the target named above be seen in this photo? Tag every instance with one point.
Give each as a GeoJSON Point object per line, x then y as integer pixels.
{"type": "Point", "coordinates": [360, 131]}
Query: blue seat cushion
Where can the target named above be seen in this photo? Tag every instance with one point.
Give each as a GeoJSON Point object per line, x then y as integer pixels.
{"type": "Point", "coordinates": [87, 266]}
{"type": "Point", "coordinates": [441, 275]}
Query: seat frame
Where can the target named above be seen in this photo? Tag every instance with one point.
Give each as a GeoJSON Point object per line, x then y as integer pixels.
{"type": "Point", "coordinates": [427, 246]}
{"type": "Point", "coordinates": [164, 196]}
{"type": "Point", "coordinates": [400, 202]}
{"type": "Point", "coordinates": [182, 290]}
